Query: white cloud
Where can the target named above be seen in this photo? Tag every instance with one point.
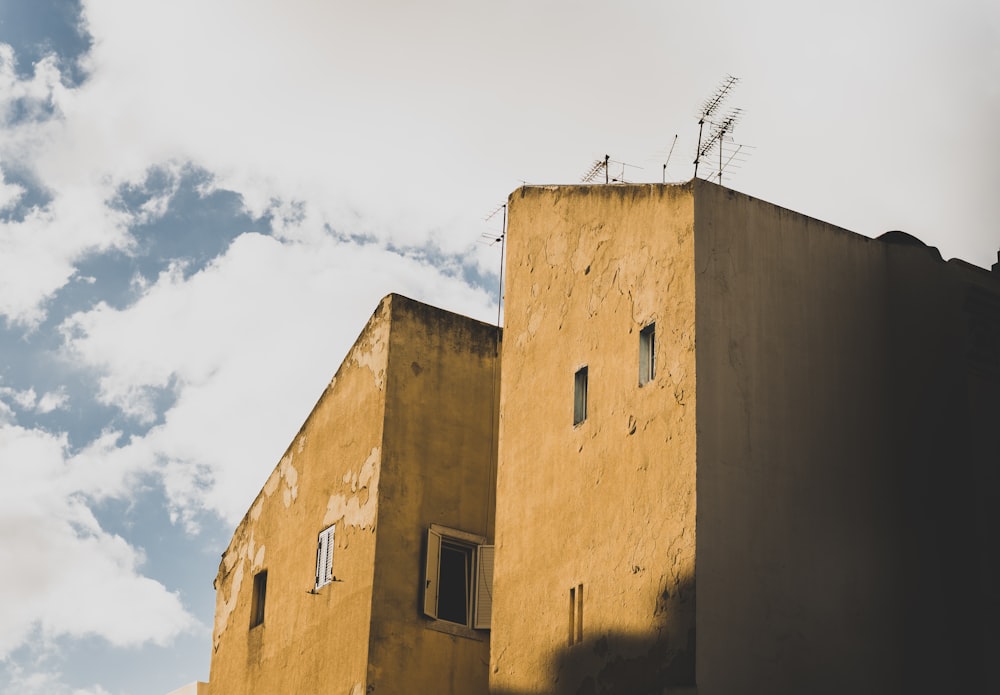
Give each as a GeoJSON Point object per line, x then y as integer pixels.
{"type": "Point", "coordinates": [246, 346]}
{"type": "Point", "coordinates": [65, 575]}
{"type": "Point", "coordinates": [35, 682]}
{"type": "Point", "coordinates": [51, 401]}
{"type": "Point", "coordinates": [28, 400]}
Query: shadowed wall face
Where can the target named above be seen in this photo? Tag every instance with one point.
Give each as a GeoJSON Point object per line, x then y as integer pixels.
{"type": "Point", "coordinates": [842, 480]}
{"type": "Point", "coordinates": [594, 581]}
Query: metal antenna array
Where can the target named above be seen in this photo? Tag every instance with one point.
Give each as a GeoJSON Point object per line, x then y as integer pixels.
{"type": "Point", "coordinates": [604, 165]}
{"type": "Point", "coordinates": [708, 109]}
{"type": "Point", "coordinates": [596, 168]}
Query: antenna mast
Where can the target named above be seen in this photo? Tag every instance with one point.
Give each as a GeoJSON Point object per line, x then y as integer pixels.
{"type": "Point", "coordinates": [707, 110]}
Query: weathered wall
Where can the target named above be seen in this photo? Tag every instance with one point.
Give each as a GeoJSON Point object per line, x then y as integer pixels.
{"type": "Point", "coordinates": [843, 484]}
{"type": "Point", "coordinates": [610, 503]}
{"type": "Point", "coordinates": [797, 553]}
{"type": "Point", "coordinates": [438, 466]}
{"type": "Point", "coordinates": [310, 642]}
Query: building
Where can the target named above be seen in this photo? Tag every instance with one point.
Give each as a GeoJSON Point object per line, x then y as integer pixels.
{"type": "Point", "coordinates": [738, 450]}
{"type": "Point", "coordinates": [324, 587]}
{"type": "Point", "coordinates": [741, 451]}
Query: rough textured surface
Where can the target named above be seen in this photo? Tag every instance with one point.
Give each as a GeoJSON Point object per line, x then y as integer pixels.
{"type": "Point", "coordinates": [404, 436]}
{"type": "Point", "coordinates": [609, 503]}
{"type": "Point", "coordinates": [828, 405]}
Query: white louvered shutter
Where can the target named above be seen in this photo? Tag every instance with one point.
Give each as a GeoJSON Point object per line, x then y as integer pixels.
{"type": "Point", "coordinates": [324, 557]}
{"type": "Point", "coordinates": [432, 567]}
{"type": "Point", "coordinates": [484, 587]}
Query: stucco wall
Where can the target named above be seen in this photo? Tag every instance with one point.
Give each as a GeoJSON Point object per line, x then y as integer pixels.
{"type": "Point", "coordinates": [608, 504]}
{"type": "Point", "coordinates": [403, 437]}
{"type": "Point", "coordinates": [438, 466]}
{"type": "Point", "coordinates": [797, 553]}
{"type": "Point", "coordinates": [310, 642]}
{"type": "Point", "coordinates": [843, 489]}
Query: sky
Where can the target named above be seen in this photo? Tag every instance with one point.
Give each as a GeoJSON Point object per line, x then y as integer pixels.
{"type": "Point", "coordinates": [202, 201]}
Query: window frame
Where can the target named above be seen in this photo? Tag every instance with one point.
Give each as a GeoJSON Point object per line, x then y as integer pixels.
{"type": "Point", "coordinates": [581, 381]}
{"type": "Point", "coordinates": [258, 600]}
{"type": "Point", "coordinates": [478, 580]}
{"type": "Point", "coordinates": [647, 353]}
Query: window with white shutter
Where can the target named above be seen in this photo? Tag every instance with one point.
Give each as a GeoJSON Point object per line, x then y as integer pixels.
{"type": "Point", "coordinates": [458, 578]}
{"type": "Point", "coordinates": [484, 587]}
{"type": "Point", "coordinates": [324, 557]}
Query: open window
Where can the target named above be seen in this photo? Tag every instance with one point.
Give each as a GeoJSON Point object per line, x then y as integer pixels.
{"type": "Point", "coordinates": [458, 578]}
{"type": "Point", "coordinates": [324, 557]}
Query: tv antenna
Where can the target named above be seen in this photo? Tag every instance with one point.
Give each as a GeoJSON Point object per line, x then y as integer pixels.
{"type": "Point", "coordinates": [493, 238]}
{"type": "Point", "coordinates": [708, 110]}
{"type": "Point", "coordinates": [604, 165]}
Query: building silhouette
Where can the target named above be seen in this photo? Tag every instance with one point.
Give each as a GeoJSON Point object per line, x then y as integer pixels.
{"type": "Point", "coordinates": [733, 450]}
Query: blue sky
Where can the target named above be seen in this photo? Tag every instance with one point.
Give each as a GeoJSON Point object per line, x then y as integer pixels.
{"type": "Point", "coordinates": [202, 202]}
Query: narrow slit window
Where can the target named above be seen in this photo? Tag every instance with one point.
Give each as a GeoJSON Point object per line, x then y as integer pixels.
{"type": "Point", "coordinates": [647, 354]}
{"type": "Point", "coordinates": [576, 615]}
{"type": "Point", "coordinates": [259, 596]}
{"type": "Point", "coordinates": [580, 396]}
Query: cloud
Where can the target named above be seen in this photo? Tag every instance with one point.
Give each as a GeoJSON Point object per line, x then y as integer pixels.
{"type": "Point", "coordinates": [34, 682]}
{"type": "Point", "coordinates": [244, 347]}
{"type": "Point", "coordinates": [65, 575]}
{"type": "Point", "coordinates": [28, 400]}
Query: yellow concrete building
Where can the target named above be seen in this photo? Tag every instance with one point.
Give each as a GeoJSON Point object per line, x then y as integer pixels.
{"type": "Point", "coordinates": [363, 565]}
{"type": "Point", "coordinates": [733, 450]}
{"type": "Point", "coordinates": [741, 451]}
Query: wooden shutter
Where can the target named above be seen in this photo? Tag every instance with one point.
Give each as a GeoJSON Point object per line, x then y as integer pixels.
{"type": "Point", "coordinates": [484, 588]}
{"type": "Point", "coordinates": [432, 567]}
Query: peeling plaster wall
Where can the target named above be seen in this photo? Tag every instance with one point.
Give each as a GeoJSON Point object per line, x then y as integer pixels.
{"type": "Point", "coordinates": [329, 475]}
{"type": "Point", "coordinates": [609, 503]}
{"type": "Point", "coordinates": [438, 467]}
{"type": "Point", "coordinates": [404, 436]}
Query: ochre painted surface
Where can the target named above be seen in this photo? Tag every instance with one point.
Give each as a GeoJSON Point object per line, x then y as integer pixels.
{"type": "Point", "coordinates": [608, 504]}
{"type": "Point", "coordinates": [828, 483]}
{"type": "Point", "coordinates": [401, 438]}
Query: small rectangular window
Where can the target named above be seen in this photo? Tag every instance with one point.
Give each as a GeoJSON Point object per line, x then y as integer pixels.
{"type": "Point", "coordinates": [576, 614]}
{"type": "Point", "coordinates": [324, 557]}
{"type": "Point", "coordinates": [580, 396]}
{"type": "Point", "coordinates": [647, 354]}
{"type": "Point", "coordinates": [259, 596]}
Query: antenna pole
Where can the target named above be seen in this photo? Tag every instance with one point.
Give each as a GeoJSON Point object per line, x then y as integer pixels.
{"type": "Point", "coordinates": [607, 158]}
{"type": "Point", "coordinates": [668, 158]}
{"type": "Point", "coordinates": [503, 243]}
{"type": "Point", "coordinates": [720, 156]}
{"type": "Point", "coordinates": [697, 155]}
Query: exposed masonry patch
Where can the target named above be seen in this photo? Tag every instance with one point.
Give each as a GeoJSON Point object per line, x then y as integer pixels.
{"type": "Point", "coordinates": [357, 509]}
{"type": "Point", "coordinates": [227, 608]}
{"type": "Point", "coordinates": [284, 472]}
{"type": "Point", "coordinates": [374, 356]}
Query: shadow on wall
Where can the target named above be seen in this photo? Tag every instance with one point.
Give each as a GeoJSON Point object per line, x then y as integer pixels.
{"type": "Point", "coordinates": [656, 662]}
